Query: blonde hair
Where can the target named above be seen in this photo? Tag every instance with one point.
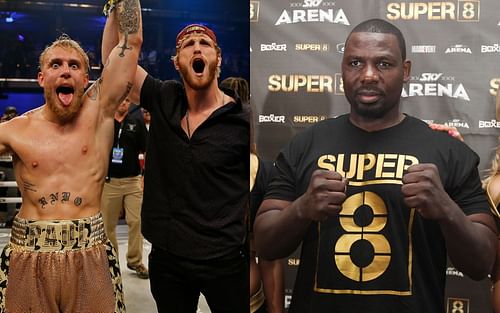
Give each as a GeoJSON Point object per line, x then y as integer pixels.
{"type": "Point", "coordinates": [65, 42]}
{"type": "Point", "coordinates": [495, 167]}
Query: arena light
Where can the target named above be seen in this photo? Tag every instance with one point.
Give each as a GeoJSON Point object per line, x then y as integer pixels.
{"type": "Point", "coordinates": [9, 18]}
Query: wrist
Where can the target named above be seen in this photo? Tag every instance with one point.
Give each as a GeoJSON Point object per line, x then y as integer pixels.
{"type": "Point", "coordinates": [109, 7]}
{"type": "Point", "coordinates": [298, 207]}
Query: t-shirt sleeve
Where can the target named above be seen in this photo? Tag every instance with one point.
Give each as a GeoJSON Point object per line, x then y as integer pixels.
{"type": "Point", "coordinates": [464, 182]}
{"type": "Point", "coordinates": [158, 95]}
{"type": "Point", "coordinates": [283, 185]}
{"type": "Point", "coordinates": [149, 90]}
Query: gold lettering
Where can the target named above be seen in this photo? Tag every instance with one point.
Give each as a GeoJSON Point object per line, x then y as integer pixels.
{"type": "Point", "coordinates": [323, 164]}
{"type": "Point", "coordinates": [369, 233]}
{"type": "Point", "coordinates": [363, 166]}
{"type": "Point", "coordinates": [274, 83]}
{"type": "Point", "coordinates": [448, 9]}
{"type": "Point", "coordinates": [411, 161]}
{"type": "Point", "coordinates": [420, 9]}
{"type": "Point", "coordinates": [494, 84]}
{"type": "Point", "coordinates": [379, 168]}
{"type": "Point", "coordinates": [414, 10]}
{"type": "Point", "coordinates": [389, 165]}
{"type": "Point", "coordinates": [383, 166]}
{"type": "Point", "coordinates": [393, 9]}
{"type": "Point", "coordinates": [313, 81]}
{"type": "Point", "coordinates": [352, 166]}
{"type": "Point", "coordinates": [299, 81]}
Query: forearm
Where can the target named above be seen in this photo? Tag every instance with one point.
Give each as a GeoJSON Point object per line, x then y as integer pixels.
{"type": "Point", "coordinates": [109, 37]}
{"type": "Point", "coordinates": [129, 25]}
{"type": "Point", "coordinates": [279, 229]}
{"type": "Point", "coordinates": [120, 69]}
{"type": "Point", "coordinates": [471, 243]}
{"type": "Point", "coordinates": [273, 280]}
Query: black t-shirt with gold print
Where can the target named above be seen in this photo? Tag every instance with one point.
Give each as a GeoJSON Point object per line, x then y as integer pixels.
{"type": "Point", "coordinates": [377, 255]}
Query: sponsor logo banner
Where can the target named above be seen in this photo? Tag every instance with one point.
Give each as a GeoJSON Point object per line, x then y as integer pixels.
{"type": "Point", "coordinates": [460, 11]}
{"type": "Point", "coordinates": [423, 49]}
{"type": "Point", "coordinates": [312, 11]}
{"type": "Point", "coordinates": [272, 47]}
{"type": "Point", "coordinates": [435, 85]}
{"type": "Point", "coordinates": [271, 118]}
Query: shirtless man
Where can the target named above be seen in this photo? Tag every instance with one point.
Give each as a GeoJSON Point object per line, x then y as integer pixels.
{"type": "Point", "coordinates": [60, 154]}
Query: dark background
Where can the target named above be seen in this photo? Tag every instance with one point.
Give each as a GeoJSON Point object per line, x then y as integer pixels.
{"type": "Point", "coordinates": [27, 27]}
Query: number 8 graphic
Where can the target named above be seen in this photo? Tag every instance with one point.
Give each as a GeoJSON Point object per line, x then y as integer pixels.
{"type": "Point", "coordinates": [368, 235]}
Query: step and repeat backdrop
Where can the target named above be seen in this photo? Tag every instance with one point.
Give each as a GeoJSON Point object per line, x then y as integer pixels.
{"type": "Point", "coordinates": [296, 51]}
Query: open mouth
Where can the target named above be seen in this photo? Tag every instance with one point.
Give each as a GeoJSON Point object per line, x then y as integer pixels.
{"type": "Point", "coordinates": [65, 94]}
{"type": "Point", "coordinates": [198, 66]}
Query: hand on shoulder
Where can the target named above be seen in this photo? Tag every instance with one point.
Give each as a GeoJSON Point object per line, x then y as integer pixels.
{"type": "Point", "coordinates": [451, 130]}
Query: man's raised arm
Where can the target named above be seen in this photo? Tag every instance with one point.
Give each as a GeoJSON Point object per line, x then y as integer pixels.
{"type": "Point", "coordinates": [122, 40]}
{"type": "Point", "coordinates": [111, 39]}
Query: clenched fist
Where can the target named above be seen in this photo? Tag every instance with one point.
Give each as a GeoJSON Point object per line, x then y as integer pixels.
{"type": "Point", "coordinates": [324, 196]}
{"type": "Point", "coordinates": [422, 189]}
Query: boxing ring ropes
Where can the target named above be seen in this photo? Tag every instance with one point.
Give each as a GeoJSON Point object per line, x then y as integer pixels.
{"type": "Point", "coordinates": [9, 199]}
{"type": "Point", "coordinates": [9, 184]}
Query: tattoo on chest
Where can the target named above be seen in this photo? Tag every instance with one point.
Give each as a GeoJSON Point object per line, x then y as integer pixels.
{"type": "Point", "coordinates": [56, 197]}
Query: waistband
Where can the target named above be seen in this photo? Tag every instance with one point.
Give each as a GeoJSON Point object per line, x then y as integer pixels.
{"type": "Point", "coordinates": [57, 235]}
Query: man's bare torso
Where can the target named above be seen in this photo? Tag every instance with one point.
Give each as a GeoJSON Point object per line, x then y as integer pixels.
{"type": "Point", "coordinates": [60, 170]}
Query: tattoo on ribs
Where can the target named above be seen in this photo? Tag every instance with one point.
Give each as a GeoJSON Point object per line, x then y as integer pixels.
{"type": "Point", "coordinates": [27, 186]}
{"type": "Point", "coordinates": [129, 87]}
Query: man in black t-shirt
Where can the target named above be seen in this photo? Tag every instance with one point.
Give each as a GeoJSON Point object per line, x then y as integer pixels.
{"type": "Point", "coordinates": [376, 198]}
{"type": "Point", "coordinates": [196, 180]}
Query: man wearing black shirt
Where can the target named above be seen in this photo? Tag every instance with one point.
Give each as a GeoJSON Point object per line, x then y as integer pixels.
{"type": "Point", "coordinates": [376, 197]}
{"type": "Point", "coordinates": [122, 189]}
{"type": "Point", "coordinates": [196, 180]}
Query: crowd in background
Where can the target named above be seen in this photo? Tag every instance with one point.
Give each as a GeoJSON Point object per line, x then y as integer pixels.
{"type": "Point", "coordinates": [19, 59]}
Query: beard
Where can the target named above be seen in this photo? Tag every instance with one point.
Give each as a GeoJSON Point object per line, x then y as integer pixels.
{"type": "Point", "coordinates": [195, 82]}
{"type": "Point", "coordinates": [372, 111]}
{"type": "Point", "coordinates": [64, 114]}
